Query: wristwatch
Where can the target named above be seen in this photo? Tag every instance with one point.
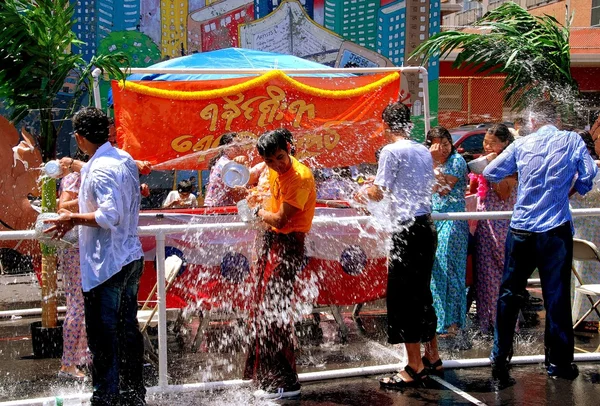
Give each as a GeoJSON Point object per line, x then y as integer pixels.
{"type": "Point", "coordinates": [255, 211]}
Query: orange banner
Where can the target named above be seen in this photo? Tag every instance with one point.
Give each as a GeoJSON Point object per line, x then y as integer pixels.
{"type": "Point", "coordinates": [176, 125]}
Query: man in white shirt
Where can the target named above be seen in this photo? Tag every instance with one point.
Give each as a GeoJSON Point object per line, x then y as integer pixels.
{"type": "Point", "coordinates": [111, 261]}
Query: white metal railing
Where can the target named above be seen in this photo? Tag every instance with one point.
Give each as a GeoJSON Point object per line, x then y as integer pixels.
{"type": "Point", "coordinates": [161, 231]}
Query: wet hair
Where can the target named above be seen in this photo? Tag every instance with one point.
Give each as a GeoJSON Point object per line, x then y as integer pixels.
{"type": "Point", "coordinates": [439, 132]}
{"type": "Point", "coordinates": [111, 121]}
{"type": "Point", "coordinates": [271, 141]}
{"type": "Point", "coordinates": [544, 112]}
{"type": "Point", "coordinates": [519, 121]}
{"type": "Point", "coordinates": [185, 186]}
{"type": "Point", "coordinates": [92, 124]}
{"type": "Point", "coordinates": [397, 117]}
{"type": "Point", "coordinates": [501, 132]}
{"type": "Point", "coordinates": [589, 143]}
{"type": "Point", "coordinates": [225, 139]}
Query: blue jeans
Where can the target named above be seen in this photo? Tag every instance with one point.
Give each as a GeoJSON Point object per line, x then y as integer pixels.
{"type": "Point", "coordinates": [551, 252]}
{"type": "Point", "coordinates": [115, 340]}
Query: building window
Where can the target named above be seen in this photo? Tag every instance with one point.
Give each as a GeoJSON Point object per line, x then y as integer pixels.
{"type": "Point", "coordinates": [595, 13]}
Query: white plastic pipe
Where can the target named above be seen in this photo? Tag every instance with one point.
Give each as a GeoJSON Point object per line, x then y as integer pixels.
{"type": "Point", "coordinates": [96, 86]}
{"type": "Point", "coordinates": [161, 296]}
{"type": "Point", "coordinates": [310, 377]}
{"type": "Point", "coordinates": [27, 312]}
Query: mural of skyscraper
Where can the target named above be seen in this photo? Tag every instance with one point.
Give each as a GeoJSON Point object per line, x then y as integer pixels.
{"type": "Point", "coordinates": [391, 27]}
{"type": "Point", "coordinates": [112, 15]}
{"type": "Point", "coordinates": [173, 18]}
{"type": "Point", "coordinates": [355, 20]}
{"type": "Point", "coordinates": [85, 27]}
{"type": "Point", "coordinates": [434, 28]}
{"type": "Point", "coordinates": [264, 7]}
{"type": "Point", "coordinates": [150, 19]}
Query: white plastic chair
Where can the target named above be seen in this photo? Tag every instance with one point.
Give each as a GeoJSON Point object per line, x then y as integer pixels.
{"type": "Point", "coordinates": [147, 316]}
{"type": "Point", "coordinates": [584, 250]}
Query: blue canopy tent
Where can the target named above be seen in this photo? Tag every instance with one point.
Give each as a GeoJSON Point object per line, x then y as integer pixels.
{"type": "Point", "coordinates": [228, 58]}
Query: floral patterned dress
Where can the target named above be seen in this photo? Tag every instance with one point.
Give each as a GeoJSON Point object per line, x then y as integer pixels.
{"type": "Point", "coordinates": [490, 238]}
{"type": "Point", "coordinates": [449, 268]}
{"type": "Point", "coordinates": [217, 193]}
{"type": "Point", "coordinates": [74, 337]}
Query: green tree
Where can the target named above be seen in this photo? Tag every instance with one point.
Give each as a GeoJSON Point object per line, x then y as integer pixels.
{"type": "Point", "coordinates": [35, 59]}
{"type": "Point", "coordinates": [139, 48]}
{"type": "Point", "coordinates": [533, 52]}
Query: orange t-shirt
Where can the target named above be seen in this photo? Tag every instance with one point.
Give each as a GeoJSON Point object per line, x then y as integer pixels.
{"type": "Point", "coordinates": [296, 187]}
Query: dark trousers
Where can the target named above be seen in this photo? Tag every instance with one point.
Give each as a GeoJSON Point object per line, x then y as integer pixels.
{"type": "Point", "coordinates": [410, 312]}
{"type": "Point", "coordinates": [551, 252]}
{"type": "Point", "coordinates": [115, 340]}
{"type": "Point", "coordinates": [271, 362]}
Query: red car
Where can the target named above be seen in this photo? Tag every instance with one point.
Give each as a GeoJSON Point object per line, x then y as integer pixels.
{"type": "Point", "coordinates": [468, 139]}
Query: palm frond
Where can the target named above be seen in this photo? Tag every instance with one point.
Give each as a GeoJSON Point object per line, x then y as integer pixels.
{"type": "Point", "coordinates": [533, 52]}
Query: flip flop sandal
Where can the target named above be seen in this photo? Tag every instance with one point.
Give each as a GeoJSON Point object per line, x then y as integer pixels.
{"type": "Point", "coordinates": [432, 368]}
{"type": "Point", "coordinates": [397, 383]}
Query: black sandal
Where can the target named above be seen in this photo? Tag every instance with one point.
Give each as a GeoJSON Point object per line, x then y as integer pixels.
{"type": "Point", "coordinates": [397, 383]}
{"type": "Point", "coordinates": [432, 369]}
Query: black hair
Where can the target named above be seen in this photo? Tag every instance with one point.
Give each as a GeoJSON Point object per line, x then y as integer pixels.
{"type": "Point", "coordinates": [440, 133]}
{"type": "Point", "coordinates": [225, 139]}
{"type": "Point", "coordinates": [587, 138]}
{"type": "Point", "coordinates": [501, 132]}
{"type": "Point", "coordinates": [92, 124]}
{"type": "Point", "coordinates": [271, 141]}
{"type": "Point", "coordinates": [81, 156]}
{"type": "Point", "coordinates": [544, 112]}
{"type": "Point", "coordinates": [185, 186]}
{"type": "Point", "coordinates": [519, 121]}
{"type": "Point", "coordinates": [397, 116]}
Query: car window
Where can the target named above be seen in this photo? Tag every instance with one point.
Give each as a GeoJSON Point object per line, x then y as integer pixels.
{"type": "Point", "coordinates": [473, 144]}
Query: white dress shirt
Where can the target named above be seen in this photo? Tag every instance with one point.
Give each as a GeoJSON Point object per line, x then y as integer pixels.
{"type": "Point", "coordinates": [110, 188]}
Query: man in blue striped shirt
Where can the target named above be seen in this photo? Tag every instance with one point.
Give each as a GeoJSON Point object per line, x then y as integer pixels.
{"type": "Point", "coordinates": [549, 163]}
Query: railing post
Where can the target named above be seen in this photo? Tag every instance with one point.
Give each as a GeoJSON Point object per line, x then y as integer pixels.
{"type": "Point", "coordinates": [162, 310]}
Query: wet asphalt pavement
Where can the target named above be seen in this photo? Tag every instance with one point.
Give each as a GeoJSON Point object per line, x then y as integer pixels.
{"type": "Point", "coordinates": [320, 348]}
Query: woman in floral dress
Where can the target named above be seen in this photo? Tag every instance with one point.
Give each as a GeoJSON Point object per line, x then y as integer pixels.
{"type": "Point", "coordinates": [75, 351]}
{"type": "Point", "coordinates": [449, 269]}
{"type": "Point", "coordinates": [490, 235]}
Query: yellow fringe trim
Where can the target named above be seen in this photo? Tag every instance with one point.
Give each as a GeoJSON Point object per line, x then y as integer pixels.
{"type": "Point", "coordinates": [255, 82]}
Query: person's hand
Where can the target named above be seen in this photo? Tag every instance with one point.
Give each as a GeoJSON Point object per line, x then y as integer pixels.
{"type": "Point", "coordinates": [69, 164]}
{"type": "Point", "coordinates": [144, 167]}
{"type": "Point", "coordinates": [62, 224]}
{"type": "Point", "coordinates": [361, 197]}
{"type": "Point", "coordinates": [241, 159]}
{"type": "Point", "coordinates": [144, 190]}
{"type": "Point", "coordinates": [436, 152]}
{"type": "Point", "coordinates": [491, 156]}
{"type": "Point", "coordinates": [597, 163]}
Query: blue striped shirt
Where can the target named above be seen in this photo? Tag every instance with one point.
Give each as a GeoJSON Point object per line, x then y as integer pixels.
{"type": "Point", "coordinates": [547, 162]}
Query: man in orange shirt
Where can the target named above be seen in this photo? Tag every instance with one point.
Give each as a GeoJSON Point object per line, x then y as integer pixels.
{"type": "Point", "coordinates": [271, 362]}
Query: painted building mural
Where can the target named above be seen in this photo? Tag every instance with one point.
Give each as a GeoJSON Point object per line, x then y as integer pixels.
{"type": "Point", "coordinates": [340, 33]}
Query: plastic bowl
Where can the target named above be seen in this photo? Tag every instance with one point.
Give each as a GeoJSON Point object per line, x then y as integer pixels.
{"type": "Point", "coordinates": [478, 165]}
{"type": "Point", "coordinates": [234, 174]}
